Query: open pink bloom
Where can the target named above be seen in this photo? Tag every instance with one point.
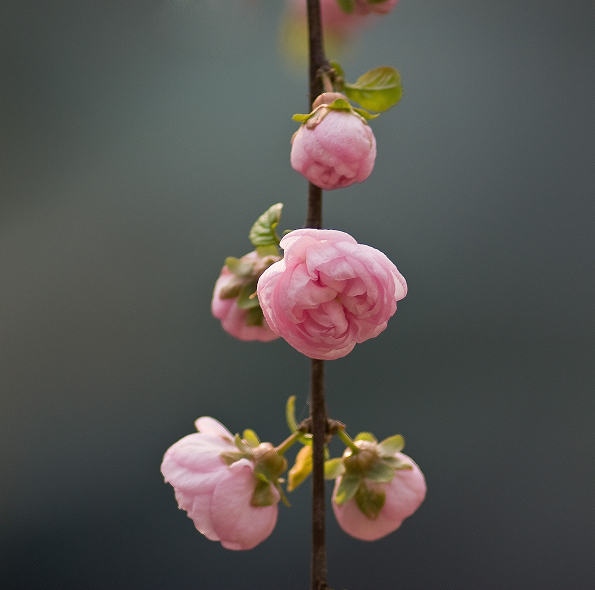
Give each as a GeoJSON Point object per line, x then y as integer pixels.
{"type": "Point", "coordinates": [218, 497]}
{"type": "Point", "coordinates": [365, 6]}
{"type": "Point", "coordinates": [335, 152]}
{"type": "Point", "coordinates": [237, 321]}
{"type": "Point", "coordinates": [329, 292]}
{"type": "Point", "coordinates": [404, 494]}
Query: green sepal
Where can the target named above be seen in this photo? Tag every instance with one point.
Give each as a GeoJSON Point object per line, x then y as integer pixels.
{"type": "Point", "coordinates": [301, 118]}
{"type": "Point", "coordinates": [381, 473]}
{"type": "Point", "coordinates": [339, 104]}
{"type": "Point", "coordinates": [232, 289]}
{"type": "Point", "coordinates": [262, 232]}
{"type": "Point", "coordinates": [282, 494]}
{"type": "Point", "coordinates": [347, 488]}
{"type": "Point", "coordinates": [396, 463]}
{"type": "Point", "coordinates": [301, 469]}
{"type": "Point", "coordinates": [254, 317]}
{"type": "Point", "coordinates": [239, 267]}
{"type": "Point", "coordinates": [229, 458]}
{"type": "Point", "coordinates": [347, 6]}
{"type": "Point", "coordinates": [333, 468]}
{"type": "Point", "coordinates": [391, 445]}
{"type": "Point", "coordinates": [251, 438]}
{"type": "Point", "coordinates": [263, 494]}
{"type": "Point", "coordinates": [365, 114]}
{"type": "Point", "coordinates": [366, 436]}
{"type": "Point", "coordinates": [242, 446]}
{"type": "Point", "coordinates": [377, 90]}
{"type": "Point", "coordinates": [369, 501]}
{"type": "Point", "coordinates": [247, 298]}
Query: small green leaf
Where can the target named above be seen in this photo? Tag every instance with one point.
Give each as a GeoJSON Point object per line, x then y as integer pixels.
{"type": "Point", "coordinates": [247, 298]}
{"type": "Point", "coordinates": [377, 90]}
{"type": "Point", "coordinates": [369, 501]}
{"type": "Point", "coordinates": [239, 267]}
{"type": "Point", "coordinates": [263, 494]}
{"type": "Point", "coordinates": [262, 232]}
{"type": "Point", "coordinates": [333, 468]}
{"type": "Point", "coordinates": [263, 251]}
{"type": "Point", "coordinates": [301, 469]}
{"type": "Point", "coordinates": [251, 438]}
{"type": "Point", "coordinates": [347, 488]}
{"type": "Point", "coordinates": [366, 436]}
{"type": "Point", "coordinates": [381, 473]}
{"type": "Point", "coordinates": [347, 6]}
{"type": "Point", "coordinates": [391, 445]}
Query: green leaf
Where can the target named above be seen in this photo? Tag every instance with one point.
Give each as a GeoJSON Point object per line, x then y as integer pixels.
{"type": "Point", "coordinates": [301, 469]}
{"type": "Point", "coordinates": [347, 6]}
{"type": "Point", "coordinates": [263, 251]}
{"type": "Point", "coordinates": [377, 90]}
{"type": "Point", "coordinates": [247, 298]}
{"type": "Point", "coordinates": [262, 232]}
{"type": "Point", "coordinates": [347, 488]}
{"type": "Point", "coordinates": [263, 494]}
{"type": "Point", "coordinates": [239, 267]}
{"type": "Point", "coordinates": [305, 439]}
{"type": "Point", "coordinates": [369, 501]}
{"type": "Point", "coordinates": [391, 445]}
{"type": "Point", "coordinates": [366, 436]}
{"type": "Point", "coordinates": [381, 473]}
{"type": "Point", "coordinates": [251, 438]}
{"type": "Point", "coordinates": [333, 468]}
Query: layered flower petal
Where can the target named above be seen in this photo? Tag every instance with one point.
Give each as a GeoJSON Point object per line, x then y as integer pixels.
{"type": "Point", "coordinates": [329, 292]}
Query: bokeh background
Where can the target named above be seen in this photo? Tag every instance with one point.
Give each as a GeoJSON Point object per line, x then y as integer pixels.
{"type": "Point", "coordinates": [138, 143]}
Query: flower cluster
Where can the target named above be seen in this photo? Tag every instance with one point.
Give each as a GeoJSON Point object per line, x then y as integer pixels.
{"type": "Point", "coordinates": [230, 487]}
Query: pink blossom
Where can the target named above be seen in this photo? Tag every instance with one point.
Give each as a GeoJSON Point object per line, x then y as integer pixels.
{"type": "Point", "coordinates": [218, 496]}
{"type": "Point", "coordinates": [335, 149]}
{"type": "Point", "coordinates": [334, 20]}
{"type": "Point", "coordinates": [329, 292]}
{"type": "Point", "coordinates": [403, 496]}
{"type": "Point", "coordinates": [237, 321]}
{"type": "Point", "coordinates": [364, 7]}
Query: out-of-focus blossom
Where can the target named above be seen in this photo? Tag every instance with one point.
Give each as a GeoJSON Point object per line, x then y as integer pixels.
{"type": "Point", "coordinates": [377, 508]}
{"type": "Point", "coordinates": [329, 292]}
{"type": "Point", "coordinates": [214, 483]}
{"type": "Point", "coordinates": [245, 323]}
{"type": "Point", "coordinates": [364, 7]}
{"type": "Point", "coordinates": [333, 148]}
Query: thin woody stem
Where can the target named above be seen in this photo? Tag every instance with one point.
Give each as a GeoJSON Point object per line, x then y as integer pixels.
{"type": "Point", "coordinates": [317, 64]}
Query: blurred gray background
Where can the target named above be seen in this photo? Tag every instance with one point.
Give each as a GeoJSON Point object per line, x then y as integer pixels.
{"type": "Point", "coordinates": [138, 143]}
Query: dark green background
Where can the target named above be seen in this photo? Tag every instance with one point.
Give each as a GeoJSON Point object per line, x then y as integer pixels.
{"type": "Point", "coordinates": [140, 140]}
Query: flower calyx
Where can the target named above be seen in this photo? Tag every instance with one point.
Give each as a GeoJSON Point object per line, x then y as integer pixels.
{"type": "Point", "coordinates": [327, 102]}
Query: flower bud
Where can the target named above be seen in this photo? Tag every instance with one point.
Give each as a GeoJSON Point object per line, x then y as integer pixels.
{"type": "Point", "coordinates": [364, 7]}
{"type": "Point", "coordinates": [215, 483]}
{"type": "Point", "coordinates": [234, 298]}
{"type": "Point", "coordinates": [334, 148]}
{"type": "Point", "coordinates": [329, 292]}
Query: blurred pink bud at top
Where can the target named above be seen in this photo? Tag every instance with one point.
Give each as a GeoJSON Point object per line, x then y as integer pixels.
{"type": "Point", "coordinates": [218, 496]}
{"type": "Point", "coordinates": [334, 19]}
{"type": "Point", "coordinates": [403, 496]}
{"type": "Point", "coordinates": [334, 148]}
{"type": "Point", "coordinates": [329, 292]}
{"type": "Point", "coordinates": [244, 324]}
{"type": "Point", "coordinates": [364, 7]}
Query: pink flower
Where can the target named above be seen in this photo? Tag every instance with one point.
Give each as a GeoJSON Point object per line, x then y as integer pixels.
{"type": "Point", "coordinates": [403, 496]}
{"type": "Point", "coordinates": [366, 7]}
{"type": "Point", "coordinates": [218, 496]}
{"type": "Point", "coordinates": [329, 292]}
{"type": "Point", "coordinates": [334, 148]}
{"type": "Point", "coordinates": [242, 323]}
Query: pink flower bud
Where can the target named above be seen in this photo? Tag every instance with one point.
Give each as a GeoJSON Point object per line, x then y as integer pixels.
{"type": "Point", "coordinates": [334, 150]}
{"type": "Point", "coordinates": [329, 292]}
{"type": "Point", "coordinates": [218, 496]}
{"type": "Point", "coordinates": [366, 7]}
{"type": "Point", "coordinates": [403, 496]}
{"type": "Point", "coordinates": [237, 321]}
